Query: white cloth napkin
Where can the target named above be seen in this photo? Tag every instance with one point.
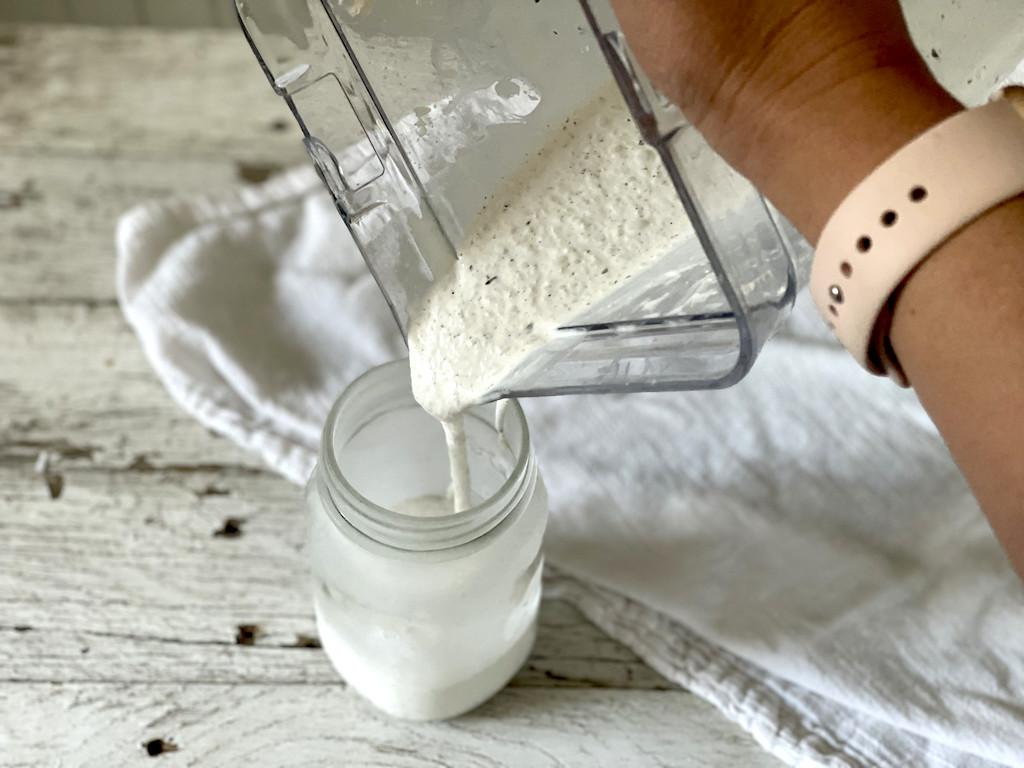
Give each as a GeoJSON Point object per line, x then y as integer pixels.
{"type": "Point", "coordinates": [799, 550]}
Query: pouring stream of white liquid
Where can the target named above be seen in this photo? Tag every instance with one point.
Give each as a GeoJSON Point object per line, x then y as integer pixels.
{"type": "Point", "coordinates": [458, 459]}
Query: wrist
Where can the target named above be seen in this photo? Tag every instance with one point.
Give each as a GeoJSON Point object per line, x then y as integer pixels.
{"type": "Point", "coordinates": [967, 292]}
{"type": "Point", "coordinates": [808, 156]}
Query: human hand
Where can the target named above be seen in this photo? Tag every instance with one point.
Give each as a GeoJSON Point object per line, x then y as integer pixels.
{"type": "Point", "coordinates": [778, 86]}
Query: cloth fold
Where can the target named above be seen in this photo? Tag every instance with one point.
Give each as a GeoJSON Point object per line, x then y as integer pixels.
{"type": "Point", "coordinates": [800, 550]}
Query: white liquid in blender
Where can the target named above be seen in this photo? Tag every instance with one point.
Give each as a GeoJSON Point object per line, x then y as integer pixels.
{"type": "Point", "coordinates": [592, 208]}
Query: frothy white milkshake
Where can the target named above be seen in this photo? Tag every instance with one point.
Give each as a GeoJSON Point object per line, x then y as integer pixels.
{"type": "Point", "coordinates": [592, 208]}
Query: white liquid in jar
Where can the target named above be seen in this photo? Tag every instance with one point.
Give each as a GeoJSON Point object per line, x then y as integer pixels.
{"type": "Point", "coordinates": [410, 689]}
{"type": "Point", "coordinates": [427, 505]}
{"type": "Point", "coordinates": [426, 634]}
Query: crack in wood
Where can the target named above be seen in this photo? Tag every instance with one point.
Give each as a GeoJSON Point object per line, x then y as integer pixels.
{"type": "Point", "coordinates": [18, 453]}
{"type": "Point", "coordinates": [25, 426]}
{"type": "Point", "coordinates": [522, 681]}
{"type": "Point", "coordinates": [566, 679]}
{"type": "Point", "coordinates": [54, 480]}
{"type": "Point", "coordinates": [601, 659]}
{"type": "Point", "coordinates": [141, 463]}
{"type": "Point", "coordinates": [150, 638]}
{"type": "Point", "coordinates": [256, 172]}
{"type": "Point", "coordinates": [247, 635]}
{"type": "Point", "coordinates": [170, 608]}
{"type": "Point", "coordinates": [22, 449]}
{"type": "Point", "coordinates": [64, 301]}
{"type": "Point", "coordinates": [159, 746]}
{"type": "Point", "coordinates": [54, 483]}
{"type": "Point", "coordinates": [212, 490]}
{"type": "Point", "coordinates": [304, 641]}
{"type": "Point", "coordinates": [16, 198]}
{"type": "Point", "coordinates": [231, 529]}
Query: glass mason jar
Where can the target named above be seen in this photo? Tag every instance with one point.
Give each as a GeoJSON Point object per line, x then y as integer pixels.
{"type": "Point", "coordinates": [425, 612]}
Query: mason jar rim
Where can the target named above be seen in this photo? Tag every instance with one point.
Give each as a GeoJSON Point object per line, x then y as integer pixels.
{"type": "Point", "coordinates": [401, 531]}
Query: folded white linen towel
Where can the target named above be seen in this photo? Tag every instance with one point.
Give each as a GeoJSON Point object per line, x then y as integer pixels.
{"type": "Point", "coordinates": [799, 550]}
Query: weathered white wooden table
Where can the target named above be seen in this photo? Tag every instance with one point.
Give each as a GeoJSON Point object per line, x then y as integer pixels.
{"type": "Point", "coordinates": [153, 599]}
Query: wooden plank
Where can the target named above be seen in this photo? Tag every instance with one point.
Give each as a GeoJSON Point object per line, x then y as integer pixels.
{"type": "Point", "coordinates": [47, 11]}
{"type": "Point", "coordinates": [224, 13]}
{"type": "Point", "coordinates": [139, 93]}
{"type": "Point", "coordinates": [74, 382]}
{"type": "Point", "coordinates": [108, 13]}
{"type": "Point", "coordinates": [128, 545]}
{"type": "Point", "coordinates": [120, 13]}
{"type": "Point", "coordinates": [299, 725]}
{"type": "Point", "coordinates": [181, 14]}
{"type": "Point", "coordinates": [129, 576]}
{"type": "Point", "coordinates": [58, 216]}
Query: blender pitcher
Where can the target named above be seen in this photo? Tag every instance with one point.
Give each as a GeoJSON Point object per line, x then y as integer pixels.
{"type": "Point", "coordinates": [415, 112]}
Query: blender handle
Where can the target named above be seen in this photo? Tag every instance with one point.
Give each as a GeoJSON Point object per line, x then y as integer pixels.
{"type": "Point", "coordinates": [321, 83]}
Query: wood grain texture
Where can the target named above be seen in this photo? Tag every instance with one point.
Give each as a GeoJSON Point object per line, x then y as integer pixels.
{"type": "Point", "coordinates": [240, 725]}
{"type": "Point", "coordinates": [190, 14]}
{"type": "Point", "coordinates": [58, 217]}
{"type": "Point", "coordinates": [74, 382]}
{"type": "Point", "coordinates": [128, 576]}
{"type": "Point", "coordinates": [107, 13]}
{"type": "Point", "coordinates": [49, 11]}
{"type": "Point", "coordinates": [223, 12]}
{"type": "Point", "coordinates": [139, 93]}
{"type": "Point", "coordinates": [120, 13]}
{"type": "Point", "coordinates": [128, 548]}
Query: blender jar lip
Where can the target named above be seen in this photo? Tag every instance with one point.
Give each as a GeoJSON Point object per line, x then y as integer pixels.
{"type": "Point", "coordinates": [388, 518]}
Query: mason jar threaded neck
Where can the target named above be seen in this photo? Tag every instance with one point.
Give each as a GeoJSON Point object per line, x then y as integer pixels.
{"type": "Point", "coordinates": [386, 390]}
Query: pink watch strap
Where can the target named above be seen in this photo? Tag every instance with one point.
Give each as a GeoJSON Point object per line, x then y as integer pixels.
{"type": "Point", "coordinates": [904, 210]}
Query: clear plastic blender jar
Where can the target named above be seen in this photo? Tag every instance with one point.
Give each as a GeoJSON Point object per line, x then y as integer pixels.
{"type": "Point", "coordinates": [415, 112]}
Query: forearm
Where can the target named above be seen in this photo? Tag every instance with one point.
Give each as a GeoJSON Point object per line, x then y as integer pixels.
{"type": "Point", "coordinates": [807, 158]}
{"type": "Point", "coordinates": [806, 98]}
{"type": "Point", "coordinates": [958, 330]}
{"type": "Point", "coordinates": [958, 325]}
